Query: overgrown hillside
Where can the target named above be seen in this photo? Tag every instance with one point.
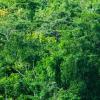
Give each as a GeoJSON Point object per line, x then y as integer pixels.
{"type": "Point", "coordinates": [49, 49]}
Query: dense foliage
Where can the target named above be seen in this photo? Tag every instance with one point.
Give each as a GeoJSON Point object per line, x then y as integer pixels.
{"type": "Point", "coordinates": [49, 49]}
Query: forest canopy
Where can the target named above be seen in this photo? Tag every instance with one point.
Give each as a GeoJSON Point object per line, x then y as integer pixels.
{"type": "Point", "coordinates": [49, 49]}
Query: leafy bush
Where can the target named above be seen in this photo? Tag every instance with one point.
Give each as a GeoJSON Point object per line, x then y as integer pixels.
{"type": "Point", "coordinates": [49, 50]}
